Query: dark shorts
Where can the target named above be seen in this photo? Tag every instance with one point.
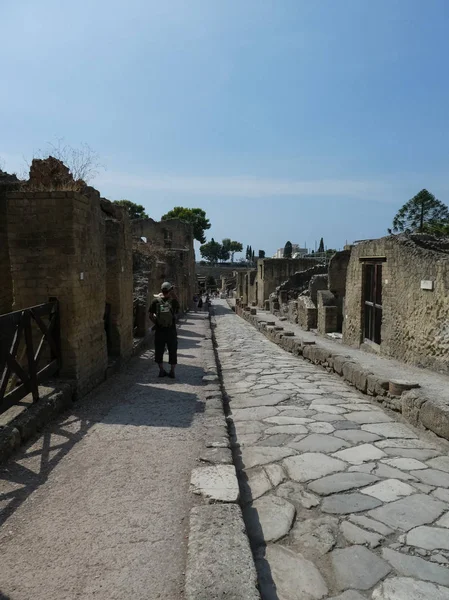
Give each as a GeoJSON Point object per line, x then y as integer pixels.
{"type": "Point", "coordinates": [166, 337]}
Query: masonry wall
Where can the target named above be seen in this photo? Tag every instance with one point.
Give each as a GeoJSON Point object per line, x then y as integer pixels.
{"type": "Point", "coordinates": [119, 284]}
{"type": "Point", "coordinates": [175, 239]}
{"type": "Point", "coordinates": [415, 322]}
{"type": "Point", "coordinates": [57, 249]}
{"type": "Point", "coordinates": [338, 268]}
{"type": "Point", "coordinates": [274, 271]}
{"type": "Point", "coordinates": [5, 267]}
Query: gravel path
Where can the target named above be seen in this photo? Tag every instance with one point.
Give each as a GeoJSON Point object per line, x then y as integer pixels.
{"type": "Point", "coordinates": [341, 499]}
{"type": "Point", "coordinates": [98, 506]}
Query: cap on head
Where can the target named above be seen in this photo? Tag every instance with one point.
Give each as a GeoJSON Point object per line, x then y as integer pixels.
{"type": "Point", "coordinates": [166, 286]}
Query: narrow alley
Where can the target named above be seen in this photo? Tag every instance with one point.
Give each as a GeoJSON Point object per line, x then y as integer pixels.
{"type": "Point", "coordinates": [98, 505]}
{"type": "Point", "coordinates": [341, 498]}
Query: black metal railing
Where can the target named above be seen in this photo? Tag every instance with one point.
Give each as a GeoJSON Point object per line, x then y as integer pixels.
{"type": "Point", "coordinates": [29, 351]}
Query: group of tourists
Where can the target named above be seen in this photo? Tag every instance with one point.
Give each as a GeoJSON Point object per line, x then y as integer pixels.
{"type": "Point", "coordinates": [201, 301]}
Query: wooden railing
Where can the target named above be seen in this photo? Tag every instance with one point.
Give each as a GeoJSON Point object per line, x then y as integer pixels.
{"type": "Point", "coordinates": [22, 367]}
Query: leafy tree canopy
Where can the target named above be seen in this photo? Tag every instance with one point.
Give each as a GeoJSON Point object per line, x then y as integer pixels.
{"type": "Point", "coordinates": [421, 213]}
{"type": "Point", "coordinates": [211, 251]}
{"type": "Point", "coordinates": [211, 282]}
{"type": "Point", "coordinates": [196, 216]}
{"type": "Point", "coordinates": [231, 247]}
{"type": "Point", "coordinates": [135, 211]}
{"type": "Point", "coordinates": [288, 250]}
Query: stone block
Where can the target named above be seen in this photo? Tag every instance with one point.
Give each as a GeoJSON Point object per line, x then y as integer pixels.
{"type": "Point", "coordinates": [307, 351]}
{"type": "Point", "coordinates": [375, 386]}
{"type": "Point", "coordinates": [347, 370]}
{"type": "Point", "coordinates": [217, 483]}
{"type": "Point", "coordinates": [10, 440]}
{"type": "Point", "coordinates": [339, 362]}
{"type": "Point", "coordinates": [360, 379]}
{"type": "Point", "coordinates": [297, 347]}
{"type": "Point", "coordinates": [435, 416]}
{"type": "Point", "coordinates": [411, 404]}
{"type": "Point", "coordinates": [398, 386]}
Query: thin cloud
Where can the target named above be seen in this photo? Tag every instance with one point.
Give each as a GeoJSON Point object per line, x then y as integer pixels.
{"type": "Point", "coordinates": [250, 187]}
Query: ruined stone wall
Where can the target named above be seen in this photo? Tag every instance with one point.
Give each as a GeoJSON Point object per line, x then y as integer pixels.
{"type": "Point", "coordinates": [327, 312]}
{"type": "Point", "coordinates": [119, 282]}
{"type": "Point", "coordinates": [274, 271]}
{"type": "Point", "coordinates": [219, 270]}
{"type": "Point", "coordinates": [5, 267]}
{"type": "Point", "coordinates": [338, 267]}
{"type": "Point", "coordinates": [175, 238]}
{"type": "Point", "coordinates": [317, 283]}
{"type": "Point", "coordinates": [246, 281]}
{"type": "Point", "coordinates": [253, 285]}
{"type": "Point", "coordinates": [57, 249]}
{"type": "Point", "coordinates": [415, 322]}
{"type": "Point", "coordinates": [307, 313]}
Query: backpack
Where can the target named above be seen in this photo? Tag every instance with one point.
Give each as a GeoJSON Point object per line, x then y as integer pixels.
{"type": "Point", "coordinates": [164, 313]}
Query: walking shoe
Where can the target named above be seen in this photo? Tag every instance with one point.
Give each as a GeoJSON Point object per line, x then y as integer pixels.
{"type": "Point", "coordinates": [162, 374]}
{"type": "Point", "coordinates": [171, 375]}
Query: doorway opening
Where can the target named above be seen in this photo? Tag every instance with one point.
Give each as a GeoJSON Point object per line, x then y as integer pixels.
{"type": "Point", "coordinates": [372, 297]}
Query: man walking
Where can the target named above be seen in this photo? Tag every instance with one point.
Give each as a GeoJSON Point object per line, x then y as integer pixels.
{"type": "Point", "coordinates": [162, 312]}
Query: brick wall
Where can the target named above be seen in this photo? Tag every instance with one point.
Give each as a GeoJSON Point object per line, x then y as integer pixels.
{"type": "Point", "coordinates": [415, 322]}
{"type": "Point", "coordinates": [274, 271]}
{"type": "Point", "coordinates": [327, 312]}
{"type": "Point", "coordinates": [119, 283]}
{"type": "Point", "coordinates": [338, 268]}
{"type": "Point", "coordinates": [307, 313]}
{"type": "Point", "coordinates": [57, 249]}
{"type": "Point", "coordinates": [5, 267]}
{"type": "Point", "coordinates": [175, 239]}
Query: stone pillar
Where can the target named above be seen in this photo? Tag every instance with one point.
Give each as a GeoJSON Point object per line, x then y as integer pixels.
{"type": "Point", "coordinates": [57, 249]}
{"type": "Point", "coordinates": [119, 285]}
{"type": "Point", "coordinates": [6, 292]}
{"type": "Point", "coordinates": [327, 312]}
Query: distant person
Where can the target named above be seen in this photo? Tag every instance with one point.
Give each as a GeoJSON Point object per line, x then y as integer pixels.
{"type": "Point", "coordinates": [200, 302]}
{"type": "Point", "coordinates": [163, 313]}
{"type": "Point", "coordinates": [195, 302]}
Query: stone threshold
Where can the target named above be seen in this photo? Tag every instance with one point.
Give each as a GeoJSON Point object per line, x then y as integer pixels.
{"type": "Point", "coordinates": [414, 403]}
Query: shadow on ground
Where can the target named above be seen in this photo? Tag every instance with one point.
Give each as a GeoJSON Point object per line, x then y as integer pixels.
{"type": "Point", "coordinates": [133, 397]}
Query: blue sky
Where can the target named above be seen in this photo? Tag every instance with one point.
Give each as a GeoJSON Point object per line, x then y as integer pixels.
{"type": "Point", "coordinates": [283, 119]}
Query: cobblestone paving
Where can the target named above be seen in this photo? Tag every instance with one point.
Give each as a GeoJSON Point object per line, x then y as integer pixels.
{"type": "Point", "coordinates": [341, 499]}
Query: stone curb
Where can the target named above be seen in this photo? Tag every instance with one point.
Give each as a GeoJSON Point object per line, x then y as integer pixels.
{"type": "Point", "coordinates": [220, 564]}
{"type": "Point", "coordinates": [415, 405]}
{"type": "Point", "coordinates": [20, 422]}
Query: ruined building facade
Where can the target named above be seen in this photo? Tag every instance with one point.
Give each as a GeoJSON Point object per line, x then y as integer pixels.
{"type": "Point", "coordinates": [76, 248]}
{"type": "Point", "coordinates": [388, 296]}
{"type": "Point", "coordinates": [397, 299]}
{"type": "Point", "coordinates": [256, 285]}
{"type": "Point", "coordinates": [172, 242]}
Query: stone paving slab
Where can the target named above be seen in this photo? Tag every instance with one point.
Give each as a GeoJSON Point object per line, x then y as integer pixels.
{"type": "Point", "coordinates": [374, 374]}
{"type": "Point", "coordinates": [369, 494]}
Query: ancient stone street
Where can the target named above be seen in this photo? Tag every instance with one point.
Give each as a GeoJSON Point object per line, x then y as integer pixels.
{"type": "Point", "coordinates": [341, 499]}
{"type": "Point", "coordinates": [98, 506]}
